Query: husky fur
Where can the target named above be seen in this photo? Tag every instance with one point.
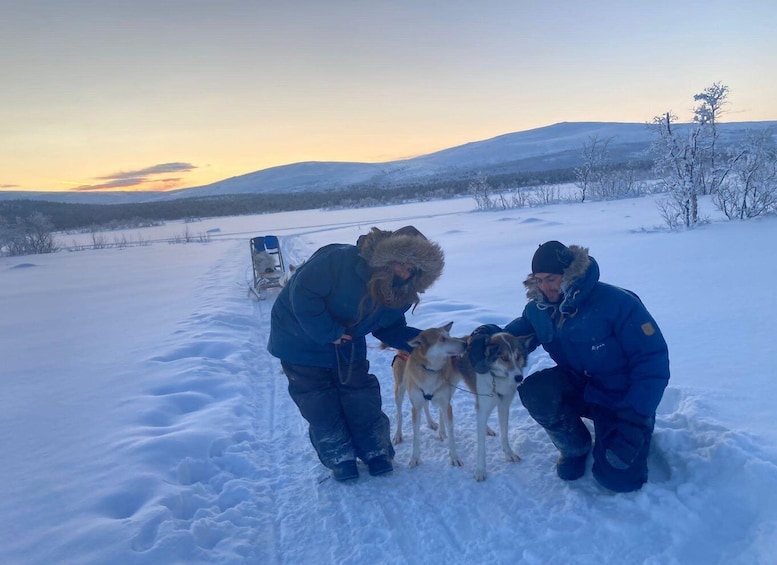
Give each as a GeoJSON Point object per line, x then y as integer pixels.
{"type": "Point", "coordinates": [428, 375]}
{"type": "Point", "coordinates": [398, 368]}
{"type": "Point", "coordinates": [506, 357]}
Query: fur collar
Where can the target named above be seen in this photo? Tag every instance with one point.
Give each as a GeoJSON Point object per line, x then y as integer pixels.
{"type": "Point", "coordinates": [572, 275]}
{"type": "Point", "coordinates": [382, 248]}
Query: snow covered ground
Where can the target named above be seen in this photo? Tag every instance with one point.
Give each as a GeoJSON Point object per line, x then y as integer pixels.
{"type": "Point", "coordinates": [142, 420]}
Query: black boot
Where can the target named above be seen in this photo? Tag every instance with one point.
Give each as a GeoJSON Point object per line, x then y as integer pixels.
{"type": "Point", "coordinates": [571, 468]}
{"type": "Point", "coordinates": [554, 398]}
{"type": "Point", "coordinates": [572, 438]}
{"type": "Point", "coordinates": [345, 471]}
{"type": "Point", "coordinates": [380, 465]}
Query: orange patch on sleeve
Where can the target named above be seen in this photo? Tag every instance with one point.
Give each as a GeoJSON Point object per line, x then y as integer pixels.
{"type": "Point", "coordinates": [648, 329]}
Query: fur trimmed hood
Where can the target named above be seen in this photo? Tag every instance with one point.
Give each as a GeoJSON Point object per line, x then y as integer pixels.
{"type": "Point", "coordinates": [573, 275]}
{"type": "Point", "coordinates": [406, 245]}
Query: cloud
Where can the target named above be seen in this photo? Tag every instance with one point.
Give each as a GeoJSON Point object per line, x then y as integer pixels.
{"type": "Point", "coordinates": [141, 177]}
{"type": "Point", "coordinates": [153, 170]}
{"type": "Point", "coordinates": [6, 186]}
{"type": "Point", "coordinates": [118, 183]}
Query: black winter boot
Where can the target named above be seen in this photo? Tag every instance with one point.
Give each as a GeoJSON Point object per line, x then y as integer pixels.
{"type": "Point", "coordinates": [571, 468]}
{"type": "Point", "coordinates": [573, 440]}
{"type": "Point", "coordinates": [345, 471]}
{"type": "Point", "coordinates": [380, 465]}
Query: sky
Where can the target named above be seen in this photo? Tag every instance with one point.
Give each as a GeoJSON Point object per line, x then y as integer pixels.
{"type": "Point", "coordinates": [165, 94]}
{"type": "Point", "coordinates": [142, 420]}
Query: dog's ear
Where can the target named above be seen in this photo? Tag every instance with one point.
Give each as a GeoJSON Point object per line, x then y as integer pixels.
{"type": "Point", "coordinates": [447, 327]}
{"type": "Point", "coordinates": [525, 342]}
{"type": "Point", "coordinates": [415, 342]}
{"type": "Point", "coordinates": [492, 352]}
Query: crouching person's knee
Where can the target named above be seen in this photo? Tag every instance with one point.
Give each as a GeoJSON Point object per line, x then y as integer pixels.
{"type": "Point", "coordinates": [620, 454]}
{"type": "Point", "coordinates": [542, 395]}
{"type": "Point", "coordinates": [616, 475]}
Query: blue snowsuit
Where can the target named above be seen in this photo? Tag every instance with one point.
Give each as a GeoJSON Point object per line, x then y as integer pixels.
{"type": "Point", "coordinates": [321, 302]}
{"type": "Point", "coordinates": [612, 366]}
{"type": "Point", "coordinates": [331, 384]}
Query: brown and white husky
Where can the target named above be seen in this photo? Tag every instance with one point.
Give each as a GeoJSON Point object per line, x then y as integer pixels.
{"type": "Point", "coordinates": [428, 375]}
{"type": "Point", "coordinates": [506, 360]}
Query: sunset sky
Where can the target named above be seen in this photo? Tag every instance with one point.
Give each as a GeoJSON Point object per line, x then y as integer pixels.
{"type": "Point", "coordinates": [162, 94]}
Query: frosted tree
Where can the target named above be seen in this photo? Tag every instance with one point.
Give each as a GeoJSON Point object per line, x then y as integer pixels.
{"type": "Point", "coordinates": [27, 236]}
{"type": "Point", "coordinates": [705, 115]}
{"type": "Point", "coordinates": [678, 163]}
{"type": "Point", "coordinates": [750, 188]}
{"type": "Point", "coordinates": [481, 192]}
{"type": "Point", "coordinates": [594, 163]}
{"type": "Point", "coordinates": [686, 159]}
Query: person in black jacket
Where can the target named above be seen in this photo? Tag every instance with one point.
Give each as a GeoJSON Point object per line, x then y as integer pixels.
{"type": "Point", "coordinates": [612, 366]}
{"type": "Point", "coordinates": [318, 326]}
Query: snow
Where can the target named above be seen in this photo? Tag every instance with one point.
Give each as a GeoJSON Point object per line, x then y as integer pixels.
{"type": "Point", "coordinates": [142, 420]}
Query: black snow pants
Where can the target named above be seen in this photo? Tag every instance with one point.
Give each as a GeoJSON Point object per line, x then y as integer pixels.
{"type": "Point", "coordinates": [343, 408]}
{"type": "Point", "coordinates": [554, 398]}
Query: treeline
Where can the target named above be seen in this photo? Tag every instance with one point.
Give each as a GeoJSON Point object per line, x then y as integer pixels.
{"type": "Point", "coordinates": [72, 217]}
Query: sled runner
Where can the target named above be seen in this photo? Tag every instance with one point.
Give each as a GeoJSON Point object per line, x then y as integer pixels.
{"type": "Point", "coordinates": [267, 261]}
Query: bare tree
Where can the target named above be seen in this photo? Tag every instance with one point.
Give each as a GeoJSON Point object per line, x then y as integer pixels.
{"type": "Point", "coordinates": [27, 236]}
{"type": "Point", "coordinates": [98, 240]}
{"type": "Point", "coordinates": [706, 115]}
{"type": "Point", "coordinates": [594, 163]}
{"type": "Point", "coordinates": [678, 164]}
{"type": "Point", "coordinates": [481, 192]}
{"type": "Point", "coordinates": [41, 234]}
{"type": "Point", "coordinates": [751, 187]}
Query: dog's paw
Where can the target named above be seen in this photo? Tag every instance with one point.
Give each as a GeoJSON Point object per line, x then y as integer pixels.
{"type": "Point", "coordinates": [432, 424]}
{"type": "Point", "coordinates": [414, 462]}
{"type": "Point", "coordinates": [490, 432]}
{"type": "Point", "coordinates": [512, 457]}
{"type": "Point", "coordinates": [456, 462]}
{"type": "Point", "coordinates": [397, 439]}
{"type": "Point", "coordinates": [480, 475]}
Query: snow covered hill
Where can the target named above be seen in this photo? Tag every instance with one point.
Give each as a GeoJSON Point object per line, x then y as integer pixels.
{"type": "Point", "coordinates": [552, 147]}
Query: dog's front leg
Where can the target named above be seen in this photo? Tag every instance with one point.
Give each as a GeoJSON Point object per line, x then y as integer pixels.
{"type": "Point", "coordinates": [504, 415]}
{"type": "Point", "coordinates": [399, 398]}
{"type": "Point", "coordinates": [455, 461]}
{"type": "Point", "coordinates": [441, 434]}
{"type": "Point", "coordinates": [429, 420]}
{"type": "Point", "coordinates": [415, 458]}
{"type": "Point", "coordinates": [482, 411]}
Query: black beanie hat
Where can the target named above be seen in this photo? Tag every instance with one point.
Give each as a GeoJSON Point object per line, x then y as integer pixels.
{"type": "Point", "coordinates": [551, 257]}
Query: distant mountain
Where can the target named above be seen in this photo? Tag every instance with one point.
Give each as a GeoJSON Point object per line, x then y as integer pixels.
{"type": "Point", "coordinates": [542, 149]}
{"type": "Point", "coordinates": [552, 147]}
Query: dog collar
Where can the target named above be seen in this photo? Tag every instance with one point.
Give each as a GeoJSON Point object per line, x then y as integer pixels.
{"type": "Point", "coordinates": [517, 378]}
{"type": "Point", "coordinates": [432, 370]}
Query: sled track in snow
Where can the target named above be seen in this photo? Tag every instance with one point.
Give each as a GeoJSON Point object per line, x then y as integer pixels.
{"type": "Point", "coordinates": [224, 490]}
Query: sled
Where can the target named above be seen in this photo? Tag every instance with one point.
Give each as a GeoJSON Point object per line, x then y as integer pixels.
{"type": "Point", "coordinates": [267, 263]}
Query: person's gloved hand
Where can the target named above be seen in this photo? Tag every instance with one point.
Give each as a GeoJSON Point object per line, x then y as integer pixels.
{"type": "Point", "coordinates": [627, 439]}
{"type": "Point", "coordinates": [477, 344]}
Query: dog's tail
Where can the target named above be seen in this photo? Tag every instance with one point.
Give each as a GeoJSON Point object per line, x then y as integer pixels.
{"type": "Point", "coordinates": [400, 353]}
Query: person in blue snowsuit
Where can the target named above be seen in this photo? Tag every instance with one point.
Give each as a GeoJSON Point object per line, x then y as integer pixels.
{"type": "Point", "coordinates": [612, 366]}
{"type": "Point", "coordinates": [318, 326]}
